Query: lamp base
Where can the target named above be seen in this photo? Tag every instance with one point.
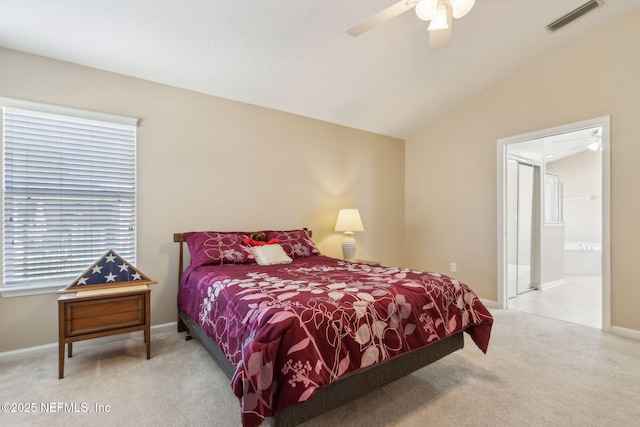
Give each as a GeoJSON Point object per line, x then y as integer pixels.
{"type": "Point", "coordinates": [348, 246]}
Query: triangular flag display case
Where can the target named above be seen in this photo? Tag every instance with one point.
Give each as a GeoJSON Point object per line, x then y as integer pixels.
{"type": "Point", "coordinates": [109, 271]}
{"type": "Point", "coordinates": [111, 297]}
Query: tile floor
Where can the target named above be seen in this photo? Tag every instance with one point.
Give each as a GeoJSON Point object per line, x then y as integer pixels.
{"type": "Point", "coordinates": [579, 301]}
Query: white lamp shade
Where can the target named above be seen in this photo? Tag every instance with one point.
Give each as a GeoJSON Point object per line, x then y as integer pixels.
{"type": "Point", "coordinates": [426, 9]}
{"type": "Point", "coordinates": [461, 7]}
{"type": "Point", "coordinates": [349, 220]}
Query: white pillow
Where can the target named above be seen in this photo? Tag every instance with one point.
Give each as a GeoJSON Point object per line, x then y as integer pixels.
{"type": "Point", "coordinates": [270, 254]}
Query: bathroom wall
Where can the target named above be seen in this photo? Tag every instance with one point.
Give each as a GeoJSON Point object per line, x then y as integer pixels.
{"type": "Point", "coordinates": [581, 175]}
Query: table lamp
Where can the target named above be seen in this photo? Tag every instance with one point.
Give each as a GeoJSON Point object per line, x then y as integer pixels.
{"type": "Point", "coordinates": [348, 222]}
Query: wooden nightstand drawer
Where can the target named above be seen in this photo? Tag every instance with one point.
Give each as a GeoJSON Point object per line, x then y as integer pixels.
{"type": "Point", "coordinates": [94, 314]}
{"type": "Point", "coordinates": [85, 317]}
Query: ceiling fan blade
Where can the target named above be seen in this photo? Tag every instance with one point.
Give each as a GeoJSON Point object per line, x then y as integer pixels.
{"type": "Point", "coordinates": [439, 39]}
{"type": "Point", "coordinates": [380, 17]}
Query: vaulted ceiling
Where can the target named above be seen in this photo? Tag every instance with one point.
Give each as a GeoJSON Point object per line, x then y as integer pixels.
{"type": "Point", "coordinates": [294, 55]}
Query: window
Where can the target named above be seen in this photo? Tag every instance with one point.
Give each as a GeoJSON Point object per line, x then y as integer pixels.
{"type": "Point", "coordinates": [69, 193]}
{"type": "Point", "coordinates": [552, 199]}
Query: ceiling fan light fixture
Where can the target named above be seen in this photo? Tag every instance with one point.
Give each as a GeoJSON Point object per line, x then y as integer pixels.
{"type": "Point", "coordinates": [595, 146]}
{"type": "Point", "coordinates": [595, 141]}
{"type": "Point", "coordinates": [461, 7]}
{"type": "Point", "coordinates": [426, 9]}
{"type": "Point", "coordinates": [440, 21]}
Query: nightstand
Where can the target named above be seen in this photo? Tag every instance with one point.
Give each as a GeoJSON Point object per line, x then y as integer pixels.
{"type": "Point", "coordinates": [93, 314]}
{"type": "Point", "coordinates": [362, 261]}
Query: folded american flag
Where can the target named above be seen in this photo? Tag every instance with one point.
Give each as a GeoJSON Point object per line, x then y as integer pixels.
{"type": "Point", "coordinates": [110, 268]}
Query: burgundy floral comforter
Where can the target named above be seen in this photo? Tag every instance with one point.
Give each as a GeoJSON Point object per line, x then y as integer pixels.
{"type": "Point", "coordinates": [292, 328]}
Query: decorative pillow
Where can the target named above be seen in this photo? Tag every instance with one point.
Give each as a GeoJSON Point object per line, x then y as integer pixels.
{"type": "Point", "coordinates": [213, 247]}
{"type": "Point", "coordinates": [270, 254]}
{"type": "Point", "coordinates": [296, 243]}
{"type": "Point", "coordinates": [249, 241]}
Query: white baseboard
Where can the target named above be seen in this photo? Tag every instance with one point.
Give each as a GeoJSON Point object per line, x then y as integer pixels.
{"type": "Point", "coordinates": [624, 332]}
{"type": "Point", "coordinates": [547, 285]}
{"type": "Point", "coordinates": [45, 349]}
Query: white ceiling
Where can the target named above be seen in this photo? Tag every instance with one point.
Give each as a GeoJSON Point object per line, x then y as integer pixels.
{"type": "Point", "coordinates": [555, 147]}
{"type": "Point", "coordinates": [294, 55]}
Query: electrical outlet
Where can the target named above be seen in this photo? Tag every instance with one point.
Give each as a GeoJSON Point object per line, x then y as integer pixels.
{"type": "Point", "coordinates": [453, 267]}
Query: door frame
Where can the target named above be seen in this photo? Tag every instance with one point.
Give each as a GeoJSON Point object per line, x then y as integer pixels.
{"type": "Point", "coordinates": [501, 163]}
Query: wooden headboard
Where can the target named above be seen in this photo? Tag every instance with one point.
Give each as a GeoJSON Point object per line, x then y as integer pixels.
{"type": "Point", "coordinates": [179, 238]}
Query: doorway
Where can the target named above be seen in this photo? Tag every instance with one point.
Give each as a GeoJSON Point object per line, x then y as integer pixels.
{"type": "Point", "coordinates": [532, 249]}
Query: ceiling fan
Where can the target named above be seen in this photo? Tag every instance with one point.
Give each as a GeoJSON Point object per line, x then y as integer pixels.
{"type": "Point", "coordinates": [439, 12]}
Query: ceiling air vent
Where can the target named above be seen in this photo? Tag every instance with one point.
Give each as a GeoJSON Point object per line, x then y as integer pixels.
{"type": "Point", "coordinates": [573, 15]}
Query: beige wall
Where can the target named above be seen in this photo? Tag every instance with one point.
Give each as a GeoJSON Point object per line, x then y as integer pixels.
{"type": "Point", "coordinates": [581, 175]}
{"type": "Point", "coordinates": [209, 163]}
{"type": "Point", "coordinates": [552, 270]}
{"type": "Point", "coordinates": [451, 166]}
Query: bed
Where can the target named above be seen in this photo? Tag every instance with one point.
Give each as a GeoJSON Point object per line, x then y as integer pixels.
{"type": "Point", "coordinates": [299, 333]}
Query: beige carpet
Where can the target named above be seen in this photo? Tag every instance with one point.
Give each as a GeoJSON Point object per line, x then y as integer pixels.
{"type": "Point", "coordinates": [538, 372]}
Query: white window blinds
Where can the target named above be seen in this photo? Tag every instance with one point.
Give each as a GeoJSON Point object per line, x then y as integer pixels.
{"type": "Point", "coordinates": [69, 195]}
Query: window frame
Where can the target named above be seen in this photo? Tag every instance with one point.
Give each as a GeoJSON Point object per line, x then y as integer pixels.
{"type": "Point", "coordinates": [553, 207]}
{"type": "Point", "coordinates": [46, 288]}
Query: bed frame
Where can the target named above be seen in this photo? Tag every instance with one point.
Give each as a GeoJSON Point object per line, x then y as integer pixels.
{"type": "Point", "coordinates": [343, 390]}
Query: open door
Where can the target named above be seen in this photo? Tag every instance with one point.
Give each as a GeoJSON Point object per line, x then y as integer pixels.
{"type": "Point", "coordinates": [523, 219]}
